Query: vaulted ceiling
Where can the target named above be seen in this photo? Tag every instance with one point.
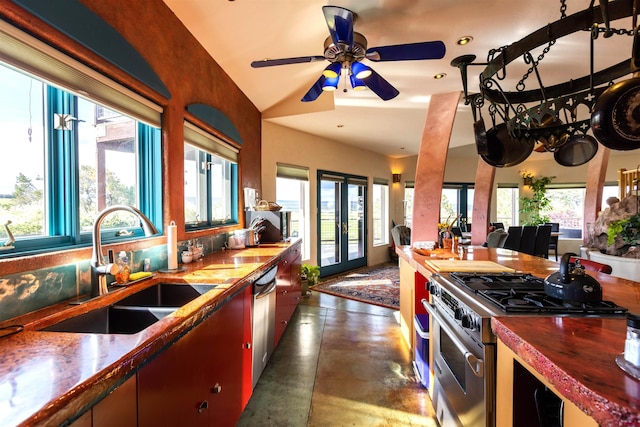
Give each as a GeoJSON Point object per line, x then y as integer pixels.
{"type": "Point", "coordinates": [238, 32]}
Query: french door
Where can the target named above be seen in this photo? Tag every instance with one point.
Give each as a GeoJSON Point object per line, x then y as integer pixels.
{"type": "Point", "coordinates": [342, 219]}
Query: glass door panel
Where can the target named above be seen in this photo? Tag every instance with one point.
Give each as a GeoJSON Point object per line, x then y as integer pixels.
{"type": "Point", "coordinates": [330, 236]}
{"type": "Point", "coordinates": [341, 222]}
{"type": "Point", "coordinates": [355, 228]}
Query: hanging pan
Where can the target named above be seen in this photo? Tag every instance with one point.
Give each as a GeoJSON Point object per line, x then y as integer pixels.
{"type": "Point", "coordinates": [615, 119]}
{"type": "Point", "coordinates": [578, 150]}
{"type": "Point", "coordinates": [481, 137]}
{"type": "Point", "coordinates": [505, 151]}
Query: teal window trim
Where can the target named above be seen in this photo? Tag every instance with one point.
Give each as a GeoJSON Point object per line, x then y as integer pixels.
{"type": "Point", "coordinates": [234, 193]}
{"type": "Point", "coordinates": [150, 173]}
{"type": "Point", "coordinates": [63, 187]}
{"type": "Point", "coordinates": [63, 162]}
{"type": "Point", "coordinates": [205, 157]}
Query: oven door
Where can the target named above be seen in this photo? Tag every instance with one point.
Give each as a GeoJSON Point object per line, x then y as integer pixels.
{"type": "Point", "coordinates": [463, 374]}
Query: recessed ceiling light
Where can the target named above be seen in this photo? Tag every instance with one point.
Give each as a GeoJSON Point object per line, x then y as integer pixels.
{"type": "Point", "coordinates": [464, 40]}
{"type": "Point", "coordinates": [340, 126]}
{"type": "Point", "coordinates": [440, 76]}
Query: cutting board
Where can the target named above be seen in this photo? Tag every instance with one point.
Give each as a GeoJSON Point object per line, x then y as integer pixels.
{"type": "Point", "coordinates": [466, 266]}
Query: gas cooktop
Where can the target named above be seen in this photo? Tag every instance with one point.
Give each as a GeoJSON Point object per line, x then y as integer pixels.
{"type": "Point", "coordinates": [498, 281]}
{"type": "Point", "coordinates": [524, 293]}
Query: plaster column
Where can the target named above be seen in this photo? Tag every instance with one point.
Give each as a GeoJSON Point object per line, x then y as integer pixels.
{"type": "Point", "coordinates": [482, 195]}
{"type": "Point", "coordinates": [432, 159]}
{"type": "Point", "coordinates": [596, 175]}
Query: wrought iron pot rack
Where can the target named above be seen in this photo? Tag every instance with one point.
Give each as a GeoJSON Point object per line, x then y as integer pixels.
{"type": "Point", "coordinates": [552, 119]}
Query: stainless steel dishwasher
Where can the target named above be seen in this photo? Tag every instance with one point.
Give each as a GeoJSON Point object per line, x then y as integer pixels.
{"type": "Point", "coordinates": [263, 321]}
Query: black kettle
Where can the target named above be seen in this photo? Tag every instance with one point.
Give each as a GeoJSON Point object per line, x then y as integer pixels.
{"type": "Point", "coordinates": [572, 284]}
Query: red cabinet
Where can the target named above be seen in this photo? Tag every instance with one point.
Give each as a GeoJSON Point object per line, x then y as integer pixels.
{"type": "Point", "coordinates": [201, 378]}
{"type": "Point", "coordinates": [289, 290]}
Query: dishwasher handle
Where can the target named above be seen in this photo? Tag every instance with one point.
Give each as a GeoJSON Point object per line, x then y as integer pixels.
{"type": "Point", "coordinates": [261, 291]}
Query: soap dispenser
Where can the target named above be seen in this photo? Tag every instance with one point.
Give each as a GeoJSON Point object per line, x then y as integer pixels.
{"type": "Point", "coordinates": [122, 277]}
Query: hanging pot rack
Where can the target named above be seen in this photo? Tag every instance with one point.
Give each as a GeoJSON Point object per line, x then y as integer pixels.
{"type": "Point", "coordinates": [559, 101]}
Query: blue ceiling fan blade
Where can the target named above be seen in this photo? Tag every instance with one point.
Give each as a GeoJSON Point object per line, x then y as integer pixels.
{"type": "Point", "coordinates": [315, 91]}
{"type": "Point", "coordinates": [407, 52]}
{"type": "Point", "coordinates": [285, 61]}
{"type": "Point", "coordinates": [340, 23]}
{"type": "Point", "coordinates": [380, 86]}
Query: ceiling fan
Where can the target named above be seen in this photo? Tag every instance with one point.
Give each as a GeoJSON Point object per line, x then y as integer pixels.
{"type": "Point", "coordinates": [345, 49]}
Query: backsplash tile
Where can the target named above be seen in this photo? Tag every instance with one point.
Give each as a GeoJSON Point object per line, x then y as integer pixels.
{"type": "Point", "coordinates": [29, 291]}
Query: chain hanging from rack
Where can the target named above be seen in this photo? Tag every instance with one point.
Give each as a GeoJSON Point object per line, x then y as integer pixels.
{"type": "Point", "coordinates": [543, 121]}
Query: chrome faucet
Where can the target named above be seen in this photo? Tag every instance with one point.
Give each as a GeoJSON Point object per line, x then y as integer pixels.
{"type": "Point", "coordinates": [99, 269]}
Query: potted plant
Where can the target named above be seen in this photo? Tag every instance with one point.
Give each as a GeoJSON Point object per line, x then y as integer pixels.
{"type": "Point", "coordinates": [532, 206]}
{"type": "Point", "coordinates": [309, 276]}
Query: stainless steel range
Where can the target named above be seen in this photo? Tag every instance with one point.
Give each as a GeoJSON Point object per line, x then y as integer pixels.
{"type": "Point", "coordinates": [463, 345]}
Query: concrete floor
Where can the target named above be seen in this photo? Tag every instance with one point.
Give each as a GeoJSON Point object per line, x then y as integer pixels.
{"type": "Point", "coordinates": [340, 363]}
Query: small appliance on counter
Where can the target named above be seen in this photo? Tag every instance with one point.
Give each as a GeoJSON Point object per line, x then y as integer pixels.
{"type": "Point", "coordinates": [277, 225]}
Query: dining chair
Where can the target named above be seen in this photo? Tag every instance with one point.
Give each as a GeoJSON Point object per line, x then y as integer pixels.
{"type": "Point", "coordinates": [543, 235]}
{"type": "Point", "coordinates": [528, 239]}
{"type": "Point", "coordinates": [457, 232]}
{"type": "Point", "coordinates": [401, 235]}
{"type": "Point", "coordinates": [513, 239]}
{"type": "Point", "coordinates": [496, 239]}
{"type": "Point", "coordinates": [553, 241]}
{"type": "Point", "coordinates": [497, 225]}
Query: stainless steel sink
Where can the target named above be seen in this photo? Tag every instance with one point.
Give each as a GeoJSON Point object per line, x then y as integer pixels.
{"type": "Point", "coordinates": [111, 320]}
{"type": "Point", "coordinates": [165, 295]}
{"type": "Point", "coordinates": [134, 313]}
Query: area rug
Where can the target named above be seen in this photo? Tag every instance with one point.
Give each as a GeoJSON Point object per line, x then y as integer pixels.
{"type": "Point", "coordinates": [378, 285]}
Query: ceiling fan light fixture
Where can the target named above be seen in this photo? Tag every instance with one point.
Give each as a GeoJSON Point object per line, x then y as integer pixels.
{"type": "Point", "coordinates": [356, 83]}
{"type": "Point", "coordinates": [332, 71]}
{"type": "Point", "coordinates": [330, 84]}
{"type": "Point", "coordinates": [360, 71]}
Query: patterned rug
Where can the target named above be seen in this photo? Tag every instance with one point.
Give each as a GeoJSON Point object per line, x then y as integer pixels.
{"type": "Point", "coordinates": [379, 285]}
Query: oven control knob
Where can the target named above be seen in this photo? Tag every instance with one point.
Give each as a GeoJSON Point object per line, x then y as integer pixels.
{"type": "Point", "coordinates": [458, 314]}
{"type": "Point", "coordinates": [433, 289]}
{"type": "Point", "coordinates": [467, 321]}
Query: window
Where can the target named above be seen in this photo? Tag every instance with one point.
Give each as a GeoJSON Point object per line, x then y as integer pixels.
{"type": "Point", "coordinates": [380, 212]}
{"type": "Point", "coordinates": [407, 203]}
{"type": "Point", "coordinates": [507, 205]}
{"type": "Point", "coordinates": [67, 156]}
{"type": "Point", "coordinates": [608, 191]}
{"type": "Point", "coordinates": [292, 193]}
{"type": "Point", "coordinates": [210, 180]}
{"type": "Point", "coordinates": [567, 208]}
{"type": "Point", "coordinates": [457, 199]}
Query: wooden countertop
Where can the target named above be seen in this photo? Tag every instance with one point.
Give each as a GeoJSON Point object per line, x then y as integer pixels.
{"type": "Point", "coordinates": [575, 354]}
{"type": "Point", "coordinates": [48, 377]}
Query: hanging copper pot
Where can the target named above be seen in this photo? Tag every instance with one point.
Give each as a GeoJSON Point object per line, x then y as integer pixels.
{"type": "Point", "coordinates": [578, 150]}
{"type": "Point", "coordinates": [481, 137]}
{"type": "Point", "coordinates": [615, 119]}
{"type": "Point", "coordinates": [503, 150]}
{"type": "Point", "coordinates": [552, 142]}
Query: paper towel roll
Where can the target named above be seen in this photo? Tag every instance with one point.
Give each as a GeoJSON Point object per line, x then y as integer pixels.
{"type": "Point", "coordinates": [172, 246]}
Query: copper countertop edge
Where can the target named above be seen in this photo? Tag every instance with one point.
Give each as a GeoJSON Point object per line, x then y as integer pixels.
{"type": "Point", "coordinates": [150, 341]}
{"type": "Point", "coordinates": [602, 410]}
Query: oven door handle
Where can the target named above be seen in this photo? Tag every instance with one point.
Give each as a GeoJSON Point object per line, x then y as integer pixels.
{"type": "Point", "coordinates": [476, 365]}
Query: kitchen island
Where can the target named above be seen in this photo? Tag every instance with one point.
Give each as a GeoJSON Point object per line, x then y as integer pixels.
{"type": "Point", "coordinates": [54, 378]}
{"type": "Point", "coordinates": [575, 355]}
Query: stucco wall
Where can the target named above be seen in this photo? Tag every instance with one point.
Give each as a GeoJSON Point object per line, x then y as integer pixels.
{"type": "Point", "coordinates": [285, 145]}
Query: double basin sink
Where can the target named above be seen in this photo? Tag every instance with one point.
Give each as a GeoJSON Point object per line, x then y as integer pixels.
{"type": "Point", "coordinates": [135, 312]}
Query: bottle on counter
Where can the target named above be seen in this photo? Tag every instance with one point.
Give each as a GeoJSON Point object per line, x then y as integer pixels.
{"type": "Point", "coordinates": [122, 276]}
{"type": "Point", "coordinates": [632, 343]}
